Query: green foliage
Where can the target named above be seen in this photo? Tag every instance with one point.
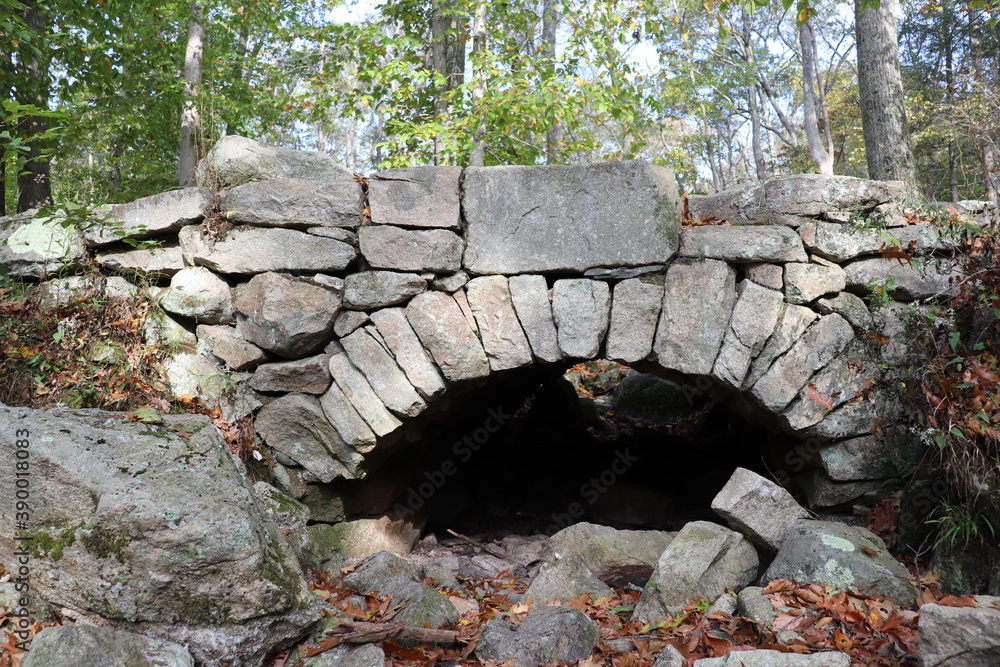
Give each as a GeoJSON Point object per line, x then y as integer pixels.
{"type": "Point", "coordinates": [880, 292]}
{"type": "Point", "coordinates": [960, 526]}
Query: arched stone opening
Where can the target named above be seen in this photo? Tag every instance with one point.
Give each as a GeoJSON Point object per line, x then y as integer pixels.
{"type": "Point", "coordinates": [527, 454]}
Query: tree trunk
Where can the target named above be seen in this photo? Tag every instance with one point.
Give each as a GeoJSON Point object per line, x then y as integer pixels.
{"type": "Point", "coordinates": [5, 92]}
{"type": "Point", "coordinates": [352, 144]}
{"type": "Point", "coordinates": [751, 64]}
{"type": "Point", "coordinates": [34, 186]}
{"type": "Point", "coordinates": [241, 54]}
{"type": "Point", "coordinates": [716, 183]}
{"type": "Point", "coordinates": [477, 158]}
{"type": "Point", "coordinates": [758, 149]}
{"type": "Point", "coordinates": [883, 116]}
{"type": "Point", "coordinates": [448, 58]}
{"type": "Point", "coordinates": [820, 155]}
{"type": "Point", "coordinates": [194, 57]}
{"type": "Point", "coordinates": [550, 24]}
{"type": "Point", "coordinates": [987, 144]}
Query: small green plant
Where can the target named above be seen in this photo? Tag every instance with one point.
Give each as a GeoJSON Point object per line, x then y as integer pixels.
{"type": "Point", "coordinates": [959, 525]}
{"type": "Point", "coordinates": [880, 292]}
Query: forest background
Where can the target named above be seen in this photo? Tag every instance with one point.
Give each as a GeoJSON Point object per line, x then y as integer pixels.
{"type": "Point", "coordinates": [110, 100]}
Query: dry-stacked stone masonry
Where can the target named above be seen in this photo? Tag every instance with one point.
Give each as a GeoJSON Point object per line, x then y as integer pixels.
{"type": "Point", "coordinates": [340, 316]}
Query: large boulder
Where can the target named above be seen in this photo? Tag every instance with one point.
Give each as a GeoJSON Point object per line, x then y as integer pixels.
{"type": "Point", "coordinates": [702, 561]}
{"type": "Point", "coordinates": [845, 557]}
{"type": "Point", "coordinates": [524, 219]}
{"type": "Point", "coordinates": [960, 636]}
{"type": "Point", "coordinates": [616, 557]}
{"type": "Point", "coordinates": [289, 317]}
{"type": "Point", "coordinates": [546, 635]}
{"type": "Point", "coordinates": [153, 527]}
{"type": "Point", "coordinates": [772, 658]}
{"type": "Point", "coordinates": [236, 160]}
{"type": "Point", "coordinates": [77, 645]}
{"type": "Point", "coordinates": [565, 580]}
{"type": "Point", "coordinates": [758, 508]}
{"type": "Point", "coordinates": [33, 247]}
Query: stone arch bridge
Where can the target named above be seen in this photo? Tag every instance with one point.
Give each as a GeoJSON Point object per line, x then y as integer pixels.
{"type": "Point", "coordinates": [345, 310]}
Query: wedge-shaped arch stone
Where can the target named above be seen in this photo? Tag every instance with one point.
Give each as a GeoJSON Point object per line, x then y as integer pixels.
{"type": "Point", "coordinates": [635, 309]}
{"type": "Point", "coordinates": [296, 426]}
{"type": "Point", "coordinates": [386, 378]}
{"type": "Point", "coordinates": [698, 301]}
{"type": "Point", "coordinates": [410, 354]}
{"type": "Point", "coordinates": [340, 412]}
{"type": "Point", "coordinates": [754, 317]}
{"type": "Point", "coordinates": [361, 395]}
{"type": "Point", "coordinates": [499, 329]}
{"type": "Point", "coordinates": [820, 344]}
{"type": "Point", "coordinates": [530, 296]}
{"type": "Point", "coordinates": [581, 308]}
{"type": "Point", "coordinates": [840, 382]}
{"type": "Point", "coordinates": [444, 330]}
{"type": "Point", "coordinates": [792, 324]}
{"type": "Point", "coordinates": [525, 219]}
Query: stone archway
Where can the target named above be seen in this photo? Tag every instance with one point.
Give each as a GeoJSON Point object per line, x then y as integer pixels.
{"type": "Point", "coordinates": [606, 271]}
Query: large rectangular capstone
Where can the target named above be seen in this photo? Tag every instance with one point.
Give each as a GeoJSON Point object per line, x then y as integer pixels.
{"type": "Point", "coordinates": [523, 219]}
